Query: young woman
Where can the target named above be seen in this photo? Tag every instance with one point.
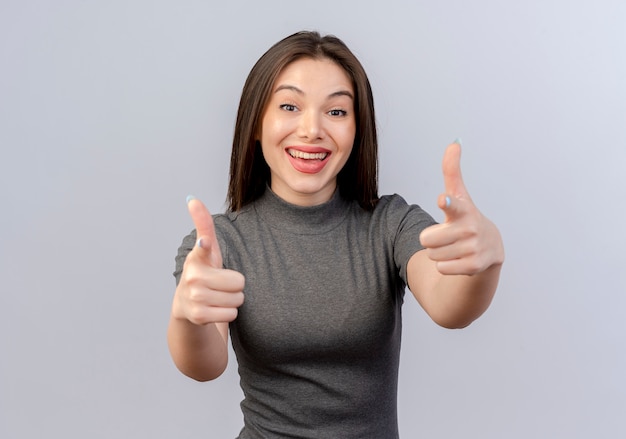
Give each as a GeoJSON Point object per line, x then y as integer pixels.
{"type": "Point", "coordinates": [308, 267]}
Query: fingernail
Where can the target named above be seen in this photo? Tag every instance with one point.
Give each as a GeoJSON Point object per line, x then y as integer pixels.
{"type": "Point", "coordinates": [448, 201]}
{"type": "Point", "coordinates": [189, 198]}
{"type": "Point", "coordinates": [199, 243]}
{"type": "Point", "coordinates": [458, 141]}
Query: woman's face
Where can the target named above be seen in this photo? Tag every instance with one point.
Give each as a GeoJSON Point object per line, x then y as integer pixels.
{"type": "Point", "coordinates": [308, 130]}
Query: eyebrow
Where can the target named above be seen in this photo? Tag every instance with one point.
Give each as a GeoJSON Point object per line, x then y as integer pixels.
{"type": "Point", "coordinates": [300, 92]}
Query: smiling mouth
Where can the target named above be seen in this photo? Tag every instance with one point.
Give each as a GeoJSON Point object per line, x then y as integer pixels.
{"type": "Point", "coordinates": [307, 155]}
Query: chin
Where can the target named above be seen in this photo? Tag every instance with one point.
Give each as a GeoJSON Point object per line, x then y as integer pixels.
{"type": "Point", "coordinates": [310, 187]}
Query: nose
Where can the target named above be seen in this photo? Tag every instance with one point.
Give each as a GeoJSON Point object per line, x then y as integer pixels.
{"type": "Point", "coordinates": [310, 126]}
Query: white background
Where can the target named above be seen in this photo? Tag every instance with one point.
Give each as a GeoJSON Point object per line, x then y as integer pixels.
{"type": "Point", "coordinates": [112, 112]}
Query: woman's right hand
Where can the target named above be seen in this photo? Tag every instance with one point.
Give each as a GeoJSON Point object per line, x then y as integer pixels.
{"type": "Point", "coordinates": [207, 292]}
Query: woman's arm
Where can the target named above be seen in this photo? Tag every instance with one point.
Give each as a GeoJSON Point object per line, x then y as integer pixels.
{"type": "Point", "coordinates": [452, 301]}
{"type": "Point", "coordinates": [206, 299]}
{"type": "Point", "coordinates": [199, 351]}
{"type": "Point", "coordinates": [455, 277]}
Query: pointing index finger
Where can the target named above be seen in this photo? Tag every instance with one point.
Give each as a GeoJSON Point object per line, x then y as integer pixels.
{"type": "Point", "coordinates": [205, 231]}
{"type": "Point", "coordinates": [451, 167]}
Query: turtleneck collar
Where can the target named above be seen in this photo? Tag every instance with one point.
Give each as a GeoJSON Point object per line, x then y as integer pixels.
{"type": "Point", "coordinates": [303, 220]}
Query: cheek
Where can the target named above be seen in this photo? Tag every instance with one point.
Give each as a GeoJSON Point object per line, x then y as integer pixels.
{"type": "Point", "coordinates": [348, 135]}
{"type": "Point", "coordinates": [273, 130]}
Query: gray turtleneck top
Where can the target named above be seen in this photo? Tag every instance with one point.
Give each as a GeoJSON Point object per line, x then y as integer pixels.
{"type": "Point", "coordinates": [318, 336]}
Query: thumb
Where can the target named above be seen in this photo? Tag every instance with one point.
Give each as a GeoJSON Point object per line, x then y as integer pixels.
{"type": "Point", "coordinates": [207, 246]}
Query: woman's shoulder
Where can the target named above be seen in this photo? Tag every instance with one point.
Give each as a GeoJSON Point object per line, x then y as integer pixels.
{"type": "Point", "coordinates": [395, 209]}
{"type": "Point", "coordinates": [390, 201]}
{"type": "Point", "coordinates": [392, 204]}
{"type": "Point", "coordinates": [229, 217]}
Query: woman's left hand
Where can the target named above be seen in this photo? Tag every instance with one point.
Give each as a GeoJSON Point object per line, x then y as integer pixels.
{"type": "Point", "coordinates": [467, 242]}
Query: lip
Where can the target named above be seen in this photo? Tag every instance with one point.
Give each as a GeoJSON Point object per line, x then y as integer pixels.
{"type": "Point", "coordinates": [308, 166]}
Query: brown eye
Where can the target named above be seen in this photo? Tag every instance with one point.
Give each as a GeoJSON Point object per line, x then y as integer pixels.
{"type": "Point", "coordinates": [337, 112]}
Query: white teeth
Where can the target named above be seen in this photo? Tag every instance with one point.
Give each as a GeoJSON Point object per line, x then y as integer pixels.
{"type": "Point", "coordinates": [307, 155]}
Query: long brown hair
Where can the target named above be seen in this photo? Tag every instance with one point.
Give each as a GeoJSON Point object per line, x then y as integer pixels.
{"type": "Point", "coordinates": [249, 173]}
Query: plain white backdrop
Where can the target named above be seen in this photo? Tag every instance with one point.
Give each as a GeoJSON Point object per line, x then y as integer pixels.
{"type": "Point", "coordinates": [112, 112]}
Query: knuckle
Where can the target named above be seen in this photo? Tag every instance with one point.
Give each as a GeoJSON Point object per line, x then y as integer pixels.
{"type": "Point", "coordinates": [231, 314]}
{"type": "Point", "coordinates": [241, 299]}
{"type": "Point", "coordinates": [476, 265]}
{"type": "Point", "coordinates": [197, 315]}
{"type": "Point", "coordinates": [195, 295]}
{"type": "Point", "coordinates": [190, 274]}
{"type": "Point", "coordinates": [241, 281]}
{"type": "Point", "coordinates": [470, 231]}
